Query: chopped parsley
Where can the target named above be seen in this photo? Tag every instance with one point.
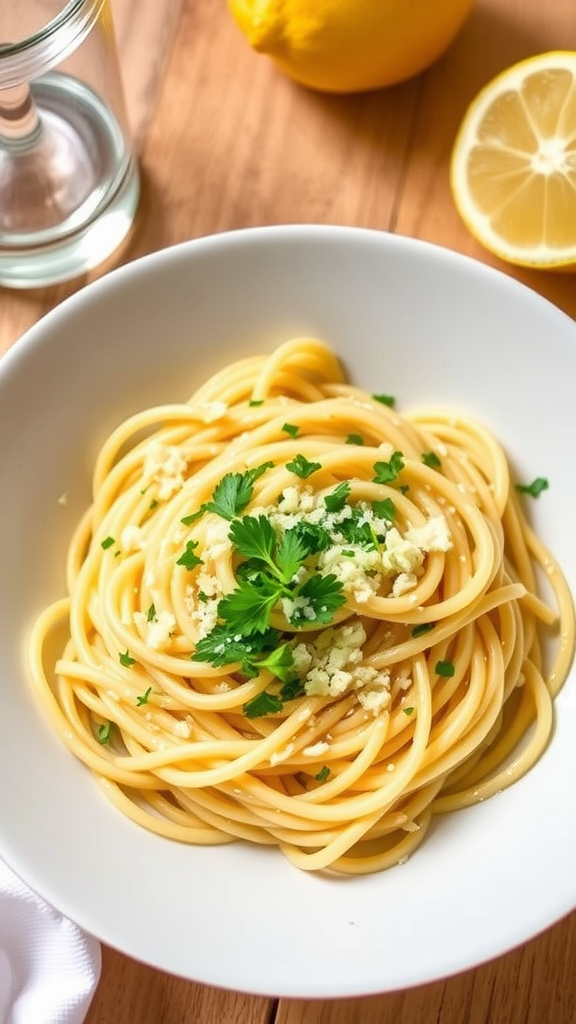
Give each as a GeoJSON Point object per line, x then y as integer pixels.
{"type": "Point", "coordinates": [188, 559]}
{"type": "Point", "coordinates": [323, 774]}
{"type": "Point", "coordinates": [388, 400]}
{"type": "Point", "coordinates": [539, 484]}
{"type": "Point", "coordinates": [386, 472]}
{"type": "Point", "coordinates": [263, 704]}
{"type": "Point", "coordinates": [151, 614]}
{"type": "Point", "coordinates": [292, 429]}
{"type": "Point", "coordinates": [432, 460]}
{"type": "Point", "coordinates": [408, 711]}
{"type": "Point", "coordinates": [302, 467]}
{"type": "Point", "coordinates": [444, 668]}
{"type": "Point", "coordinates": [107, 543]}
{"type": "Point", "coordinates": [354, 439]}
{"type": "Point", "coordinates": [143, 698]}
{"type": "Point", "coordinates": [422, 628]}
{"type": "Point", "coordinates": [232, 494]}
{"type": "Point", "coordinates": [256, 401]}
{"type": "Point", "coordinates": [336, 500]}
{"type": "Point", "coordinates": [126, 660]}
{"type": "Point", "coordinates": [104, 733]}
{"type": "Point", "coordinates": [385, 509]}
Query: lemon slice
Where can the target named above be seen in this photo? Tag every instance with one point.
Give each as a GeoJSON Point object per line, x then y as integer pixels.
{"type": "Point", "coordinates": [513, 167]}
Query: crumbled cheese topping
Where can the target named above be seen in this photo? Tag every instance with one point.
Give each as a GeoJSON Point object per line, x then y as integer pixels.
{"type": "Point", "coordinates": [331, 665]}
{"type": "Point", "coordinates": [132, 538]}
{"type": "Point", "coordinates": [432, 536]}
{"type": "Point", "coordinates": [357, 572]}
{"type": "Point", "coordinates": [165, 465]}
{"type": "Point", "coordinates": [157, 631]}
{"type": "Point", "coordinates": [317, 749]}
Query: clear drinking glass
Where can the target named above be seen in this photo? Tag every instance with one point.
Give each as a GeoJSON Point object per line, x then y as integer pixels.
{"type": "Point", "coordinates": [69, 182]}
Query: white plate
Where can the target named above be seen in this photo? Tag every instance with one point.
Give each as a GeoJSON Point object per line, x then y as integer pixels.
{"type": "Point", "coordinates": [409, 319]}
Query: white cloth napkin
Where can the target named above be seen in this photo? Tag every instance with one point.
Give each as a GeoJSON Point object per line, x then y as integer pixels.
{"type": "Point", "coordinates": [49, 967]}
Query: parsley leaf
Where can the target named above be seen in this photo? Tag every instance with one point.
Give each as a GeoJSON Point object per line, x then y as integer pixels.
{"type": "Point", "coordinates": [431, 459]}
{"type": "Point", "coordinates": [188, 559]}
{"type": "Point", "coordinates": [292, 429]}
{"type": "Point", "coordinates": [254, 537]}
{"type": "Point", "coordinates": [323, 774]}
{"type": "Point", "coordinates": [336, 500]}
{"type": "Point", "coordinates": [385, 509]}
{"type": "Point", "coordinates": [151, 614]}
{"type": "Point", "coordinates": [408, 711]}
{"type": "Point", "coordinates": [281, 663]}
{"type": "Point", "coordinates": [292, 688]}
{"type": "Point", "coordinates": [388, 400]}
{"type": "Point", "coordinates": [230, 496]}
{"type": "Point", "coordinates": [257, 472]}
{"type": "Point", "coordinates": [302, 467]}
{"type": "Point", "coordinates": [314, 537]}
{"type": "Point", "coordinates": [126, 660]}
{"type": "Point", "coordinates": [356, 530]}
{"type": "Point", "coordinates": [263, 704]}
{"type": "Point", "coordinates": [386, 472]}
{"type": "Point", "coordinates": [143, 698]}
{"type": "Point", "coordinates": [221, 646]}
{"type": "Point", "coordinates": [107, 542]}
{"type": "Point", "coordinates": [247, 609]}
{"type": "Point", "coordinates": [256, 401]}
{"type": "Point", "coordinates": [534, 489]}
{"type": "Point", "coordinates": [324, 596]}
{"type": "Point", "coordinates": [354, 439]}
{"type": "Point", "coordinates": [292, 550]}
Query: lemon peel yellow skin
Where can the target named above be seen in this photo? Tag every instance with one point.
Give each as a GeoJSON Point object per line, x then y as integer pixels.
{"type": "Point", "coordinates": [344, 46]}
{"type": "Point", "coordinates": [513, 164]}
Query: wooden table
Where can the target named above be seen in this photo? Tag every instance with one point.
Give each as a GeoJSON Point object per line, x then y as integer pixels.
{"type": "Point", "coordinates": [226, 142]}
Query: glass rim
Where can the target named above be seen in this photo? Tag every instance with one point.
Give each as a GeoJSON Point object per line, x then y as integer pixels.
{"type": "Point", "coordinates": [31, 56]}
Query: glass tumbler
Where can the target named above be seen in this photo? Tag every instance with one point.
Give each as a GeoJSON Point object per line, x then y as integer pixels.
{"type": "Point", "coordinates": [69, 182]}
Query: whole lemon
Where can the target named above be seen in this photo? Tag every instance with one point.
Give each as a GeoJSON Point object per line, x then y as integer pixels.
{"type": "Point", "coordinates": [350, 45]}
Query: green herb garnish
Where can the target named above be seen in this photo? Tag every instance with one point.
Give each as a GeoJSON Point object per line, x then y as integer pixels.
{"type": "Point", "coordinates": [263, 704]}
{"type": "Point", "coordinates": [431, 459]}
{"type": "Point", "coordinates": [292, 429]}
{"type": "Point", "coordinates": [143, 698]}
{"type": "Point", "coordinates": [301, 466]}
{"type": "Point", "coordinates": [388, 400]}
{"type": "Point", "coordinates": [539, 484]}
{"type": "Point", "coordinates": [104, 733]}
{"type": "Point", "coordinates": [323, 774]}
{"type": "Point", "coordinates": [422, 628]}
{"type": "Point", "coordinates": [126, 660]}
{"type": "Point", "coordinates": [385, 509]}
{"type": "Point", "coordinates": [107, 543]}
{"type": "Point", "coordinates": [336, 500]}
{"type": "Point", "coordinates": [188, 559]}
{"type": "Point", "coordinates": [354, 439]}
{"type": "Point", "coordinates": [386, 472]}
{"type": "Point", "coordinates": [444, 668]}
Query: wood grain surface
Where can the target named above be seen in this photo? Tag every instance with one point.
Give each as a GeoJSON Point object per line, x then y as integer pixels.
{"type": "Point", "coordinates": [225, 141]}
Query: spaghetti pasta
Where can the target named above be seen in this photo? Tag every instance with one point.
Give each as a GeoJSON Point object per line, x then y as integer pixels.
{"type": "Point", "coordinates": [298, 618]}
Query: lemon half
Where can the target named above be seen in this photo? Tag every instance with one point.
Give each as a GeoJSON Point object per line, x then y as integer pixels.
{"type": "Point", "coordinates": [513, 166]}
{"type": "Point", "coordinates": [350, 45]}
